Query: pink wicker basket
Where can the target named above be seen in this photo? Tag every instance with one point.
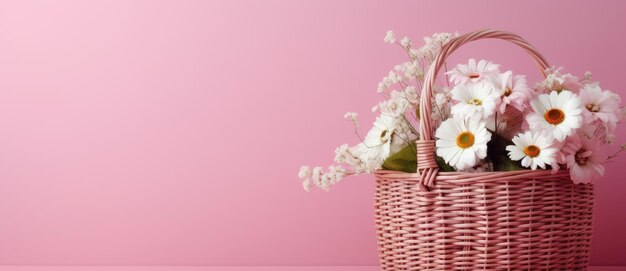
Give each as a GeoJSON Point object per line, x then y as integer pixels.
{"type": "Point", "coordinates": [513, 220]}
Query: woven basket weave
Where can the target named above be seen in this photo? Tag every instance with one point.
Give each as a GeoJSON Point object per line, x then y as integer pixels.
{"type": "Point", "coordinates": [514, 220]}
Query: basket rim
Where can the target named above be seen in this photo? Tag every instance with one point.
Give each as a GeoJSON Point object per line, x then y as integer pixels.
{"type": "Point", "coordinates": [475, 177]}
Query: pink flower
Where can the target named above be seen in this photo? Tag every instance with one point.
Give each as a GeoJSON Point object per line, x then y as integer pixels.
{"type": "Point", "coordinates": [472, 72]}
{"type": "Point", "coordinates": [600, 105]}
{"type": "Point", "coordinates": [557, 81]}
{"type": "Point", "coordinates": [513, 91]}
{"type": "Point", "coordinates": [510, 123]}
{"type": "Point", "coordinates": [583, 159]}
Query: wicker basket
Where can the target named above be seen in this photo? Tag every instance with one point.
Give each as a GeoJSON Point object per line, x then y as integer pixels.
{"type": "Point", "coordinates": [514, 220]}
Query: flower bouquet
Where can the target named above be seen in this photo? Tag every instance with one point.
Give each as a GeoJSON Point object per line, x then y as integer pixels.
{"type": "Point", "coordinates": [481, 170]}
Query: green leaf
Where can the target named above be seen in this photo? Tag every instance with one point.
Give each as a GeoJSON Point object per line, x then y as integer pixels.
{"type": "Point", "coordinates": [404, 160]}
{"type": "Point", "coordinates": [443, 166]}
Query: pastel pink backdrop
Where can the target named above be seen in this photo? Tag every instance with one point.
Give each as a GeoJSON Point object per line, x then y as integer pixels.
{"type": "Point", "coordinates": [171, 132]}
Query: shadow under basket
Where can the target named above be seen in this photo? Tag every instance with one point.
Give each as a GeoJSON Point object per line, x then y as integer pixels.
{"type": "Point", "coordinates": [532, 220]}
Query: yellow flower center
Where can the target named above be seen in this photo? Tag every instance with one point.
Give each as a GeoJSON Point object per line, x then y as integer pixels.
{"type": "Point", "coordinates": [593, 108]}
{"type": "Point", "coordinates": [579, 158]}
{"type": "Point", "coordinates": [559, 88]}
{"type": "Point", "coordinates": [507, 92]}
{"type": "Point", "coordinates": [554, 116]}
{"type": "Point", "coordinates": [532, 151]}
{"type": "Point", "coordinates": [475, 101]}
{"type": "Point", "coordinates": [383, 138]}
{"type": "Point", "coordinates": [465, 140]}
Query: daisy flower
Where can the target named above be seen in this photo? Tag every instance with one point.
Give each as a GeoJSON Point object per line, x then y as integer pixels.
{"type": "Point", "coordinates": [462, 142]}
{"type": "Point", "coordinates": [600, 105]}
{"type": "Point", "coordinates": [556, 113]}
{"type": "Point", "coordinates": [376, 146]}
{"type": "Point", "coordinates": [513, 90]}
{"type": "Point", "coordinates": [534, 149]}
{"type": "Point", "coordinates": [472, 72]}
{"type": "Point", "coordinates": [474, 99]}
{"type": "Point", "coordinates": [583, 159]}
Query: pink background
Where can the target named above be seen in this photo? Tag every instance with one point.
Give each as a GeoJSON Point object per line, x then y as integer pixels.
{"type": "Point", "coordinates": [171, 132]}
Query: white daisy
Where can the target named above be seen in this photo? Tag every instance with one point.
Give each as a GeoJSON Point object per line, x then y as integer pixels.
{"type": "Point", "coordinates": [472, 72]}
{"type": "Point", "coordinates": [474, 99]}
{"type": "Point", "coordinates": [462, 142]}
{"type": "Point", "coordinates": [376, 146]}
{"type": "Point", "coordinates": [534, 149]}
{"type": "Point", "coordinates": [556, 113]}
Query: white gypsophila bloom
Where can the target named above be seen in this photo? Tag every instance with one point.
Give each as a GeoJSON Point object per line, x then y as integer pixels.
{"type": "Point", "coordinates": [335, 174]}
{"type": "Point", "coordinates": [534, 149]}
{"type": "Point", "coordinates": [353, 117]}
{"type": "Point", "coordinates": [397, 94]}
{"type": "Point", "coordinates": [473, 71]}
{"type": "Point", "coordinates": [411, 95]}
{"type": "Point", "coordinates": [474, 99]}
{"type": "Point", "coordinates": [414, 54]}
{"type": "Point", "coordinates": [462, 142]}
{"type": "Point", "coordinates": [410, 70]}
{"type": "Point", "coordinates": [442, 99]}
{"type": "Point", "coordinates": [405, 42]}
{"type": "Point", "coordinates": [306, 184]}
{"type": "Point", "coordinates": [393, 77]}
{"type": "Point", "coordinates": [395, 106]}
{"type": "Point", "coordinates": [305, 172]}
{"type": "Point", "coordinates": [557, 113]}
{"type": "Point", "coordinates": [390, 79]}
{"type": "Point", "coordinates": [437, 117]}
{"type": "Point", "coordinates": [441, 105]}
{"type": "Point", "coordinates": [602, 105]}
{"type": "Point", "coordinates": [381, 87]}
{"type": "Point", "coordinates": [305, 175]}
{"type": "Point", "coordinates": [443, 96]}
{"type": "Point", "coordinates": [439, 114]}
{"type": "Point", "coordinates": [443, 38]}
{"type": "Point", "coordinates": [513, 90]}
{"type": "Point", "coordinates": [350, 115]}
{"type": "Point", "coordinates": [342, 154]}
{"type": "Point", "coordinates": [390, 37]}
{"type": "Point", "coordinates": [433, 44]}
{"type": "Point", "coordinates": [316, 176]}
{"type": "Point", "coordinates": [369, 158]}
{"type": "Point", "coordinates": [349, 156]}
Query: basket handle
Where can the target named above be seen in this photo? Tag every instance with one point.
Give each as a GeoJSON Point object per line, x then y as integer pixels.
{"type": "Point", "coordinates": [426, 163]}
